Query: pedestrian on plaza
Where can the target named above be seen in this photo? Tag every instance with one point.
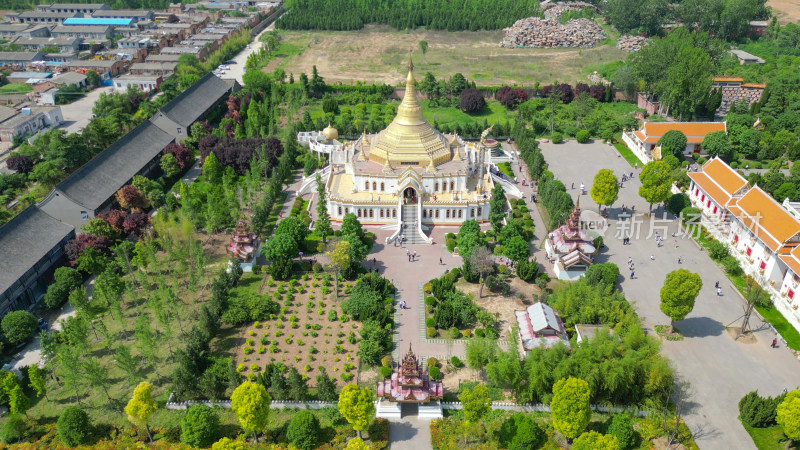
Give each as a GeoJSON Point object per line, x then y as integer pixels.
{"type": "Point", "coordinates": [573, 185]}
{"type": "Point", "coordinates": [719, 291]}
{"type": "Point", "coordinates": [414, 258]}
{"type": "Point", "coordinates": [716, 285]}
{"type": "Point", "coordinates": [679, 260]}
{"type": "Point", "coordinates": [774, 343]}
{"type": "Point", "coordinates": [676, 243]}
{"type": "Point", "coordinates": [652, 257]}
{"type": "Point", "coordinates": [632, 275]}
{"type": "Point", "coordinates": [636, 165]}
{"type": "Point", "coordinates": [440, 261]}
{"type": "Point", "coordinates": [630, 260]}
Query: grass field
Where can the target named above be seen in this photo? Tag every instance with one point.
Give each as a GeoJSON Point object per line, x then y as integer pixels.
{"type": "Point", "coordinates": [379, 53]}
{"type": "Point", "coordinates": [626, 153]}
{"type": "Point", "coordinates": [770, 438]}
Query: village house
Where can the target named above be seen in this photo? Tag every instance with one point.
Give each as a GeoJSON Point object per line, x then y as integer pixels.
{"type": "Point", "coordinates": [40, 17]}
{"type": "Point", "coordinates": [32, 245]}
{"type": "Point", "coordinates": [169, 57]}
{"type": "Point", "coordinates": [19, 59]}
{"type": "Point", "coordinates": [11, 30]}
{"type": "Point", "coordinates": [644, 142]}
{"type": "Point", "coordinates": [88, 33]}
{"type": "Point", "coordinates": [82, 8]}
{"type": "Point", "coordinates": [145, 83]}
{"type": "Point", "coordinates": [64, 44]}
{"type": "Point", "coordinates": [746, 58]}
{"type": "Point", "coordinates": [153, 68]}
{"type": "Point", "coordinates": [67, 78]}
{"type": "Point", "coordinates": [25, 77]}
{"type": "Point", "coordinates": [135, 15]}
{"type": "Point", "coordinates": [104, 68]}
{"type": "Point", "coordinates": [60, 57]}
{"type": "Point", "coordinates": [201, 53]}
{"type": "Point", "coordinates": [29, 121]}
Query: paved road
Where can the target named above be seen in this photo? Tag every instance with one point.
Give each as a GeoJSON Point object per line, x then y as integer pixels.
{"type": "Point", "coordinates": [719, 369]}
{"type": "Point", "coordinates": [78, 113]}
{"type": "Point", "coordinates": [237, 70]}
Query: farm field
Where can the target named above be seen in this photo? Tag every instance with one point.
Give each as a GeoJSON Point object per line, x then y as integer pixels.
{"type": "Point", "coordinates": [378, 54]}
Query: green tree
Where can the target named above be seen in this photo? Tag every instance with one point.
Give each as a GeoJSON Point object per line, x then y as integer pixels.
{"type": "Point", "coordinates": [126, 362]}
{"type": "Point", "coordinates": [480, 352]}
{"type": "Point", "coordinates": [497, 207]}
{"type": "Point", "coordinates": [788, 415]}
{"type": "Point", "coordinates": [18, 326]}
{"type": "Point", "coordinates": [656, 182]}
{"type": "Point", "coordinates": [293, 227]}
{"type": "Point", "coordinates": [520, 432]}
{"type": "Point", "coordinates": [280, 251]}
{"type": "Point", "coordinates": [718, 144]}
{"type": "Point", "coordinates": [679, 293]}
{"type": "Point", "coordinates": [141, 407]}
{"type": "Point", "coordinates": [303, 430]}
{"type": "Point", "coordinates": [605, 188]}
{"type": "Point", "coordinates": [351, 225]}
{"type": "Point", "coordinates": [37, 381]}
{"type": "Point", "coordinates": [517, 249]}
{"type": "Point", "coordinates": [423, 47]}
{"type": "Point", "coordinates": [339, 256]}
{"type": "Point", "coordinates": [323, 225]}
{"type": "Point", "coordinates": [14, 429]}
{"type": "Point", "coordinates": [476, 403]}
{"type": "Point", "coordinates": [65, 280]}
{"type": "Point", "coordinates": [92, 79]}
{"type": "Point", "coordinates": [355, 405]}
{"type": "Point", "coordinates": [212, 169]}
{"type": "Point", "coordinates": [326, 387]}
{"type": "Point", "coordinates": [356, 444]}
{"type": "Point", "coordinates": [673, 142]}
{"type": "Point", "coordinates": [18, 402]}
{"type": "Point", "coordinates": [170, 166]}
{"type": "Point", "coordinates": [200, 426]}
{"type": "Point", "coordinates": [74, 427]}
{"type": "Point", "coordinates": [250, 402]}
{"type": "Point", "coordinates": [592, 440]}
{"type": "Point", "coordinates": [570, 406]}
{"type": "Point", "coordinates": [481, 261]}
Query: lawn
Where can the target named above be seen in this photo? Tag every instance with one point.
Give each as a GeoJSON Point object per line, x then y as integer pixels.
{"type": "Point", "coordinates": [770, 438]}
{"type": "Point", "coordinates": [493, 112]}
{"type": "Point", "coordinates": [378, 53]}
{"type": "Point", "coordinates": [309, 332]}
{"type": "Point", "coordinates": [15, 88]}
{"type": "Point", "coordinates": [626, 153]}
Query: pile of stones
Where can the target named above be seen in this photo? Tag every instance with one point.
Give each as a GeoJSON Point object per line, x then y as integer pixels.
{"type": "Point", "coordinates": [631, 43]}
{"type": "Point", "coordinates": [548, 33]}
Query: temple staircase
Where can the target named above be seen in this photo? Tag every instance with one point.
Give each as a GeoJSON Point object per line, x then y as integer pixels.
{"type": "Point", "coordinates": [412, 231]}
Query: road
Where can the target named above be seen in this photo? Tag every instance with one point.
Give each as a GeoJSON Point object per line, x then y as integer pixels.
{"type": "Point", "coordinates": [78, 113]}
{"type": "Point", "coordinates": [237, 70]}
{"type": "Point", "coordinates": [719, 369]}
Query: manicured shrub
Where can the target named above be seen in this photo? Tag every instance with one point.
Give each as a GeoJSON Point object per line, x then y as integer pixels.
{"type": "Point", "coordinates": [758, 412]}
{"type": "Point", "coordinates": [466, 334]}
{"type": "Point", "coordinates": [14, 429]}
{"type": "Point", "coordinates": [717, 250]}
{"type": "Point", "coordinates": [435, 373]}
{"type": "Point", "coordinates": [74, 427]}
{"type": "Point", "coordinates": [582, 136]}
{"type": "Point", "coordinates": [303, 430]}
{"type": "Point", "coordinates": [621, 426]}
{"type": "Point", "coordinates": [520, 432]}
{"type": "Point", "coordinates": [453, 333]}
{"type": "Point", "coordinates": [18, 326]}
{"type": "Point", "coordinates": [479, 332]}
{"type": "Point", "coordinates": [731, 265]}
{"type": "Point", "coordinates": [690, 215]}
{"type": "Point", "coordinates": [557, 138]}
{"type": "Point", "coordinates": [200, 426]}
{"type": "Point", "coordinates": [677, 203]}
{"type": "Point", "coordinates": [431, 332]}
{"type": "Point", "coordinates": [433, 362]}
{"type": "Point", "coordinates": [456, 362]}
{"type": "Point", "coordinates": [430, 322]}
{"type": "Point", "coordinates": [386, 371]}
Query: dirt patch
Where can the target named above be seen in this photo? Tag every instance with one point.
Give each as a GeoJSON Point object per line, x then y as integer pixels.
{"type": "Point", "coordinates": [735, 334]}
{"type": "Point", "coordinates": [785, 10]}
{"type": "Point", "coordinates": [379, 53]}
{"type": "Point", "coordinates": [661, 444]}
{"type": "Point", "coordinates": [272, 64]}
{"type": "Point", "coordinates": [452, 378]}
{"type": "Point", "coordinates": [304, 334]}
{"type": "Point", "coordinates": [502, 306]}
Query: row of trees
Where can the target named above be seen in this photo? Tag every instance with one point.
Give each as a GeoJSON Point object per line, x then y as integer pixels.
{"type": "Point", "coordinates": [405, 14]}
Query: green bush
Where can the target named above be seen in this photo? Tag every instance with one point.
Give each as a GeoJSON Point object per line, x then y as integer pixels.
{"type": "Point", "coordinates": [14, 429]}
{"type": "Point", "coordinates": [479, 332]}
{"type": "Point", "coordinates": [521, 202]}
{"type": "Point", "coordinates": [701, 160]}
{"type": "Point", "coordinates": [557, 138]}
{"type": "Point", "coordinates": [453, 333]}
{"type": "Point", "coordinates": [455, 272]}
{"type": "Point", "coordinates": [758, 412]}
{"type": "Point", "coordinates": [303, 430]}
{"type": "Point", "coordinates": [386, 371]}
{"type": "Point", "coordinates": [621, 426]}
{"type": "Point", "coordinates": [433, 362]}
{"type": "Point", "coordinates": [734, 164]}
{"type": "Point", "coordinates": [690, 215]}
{"type": "Point", "coordinates": [430, 322]}
{"type": "Point", "coordinates": [435, 373]}
{"type": "Point", "coordinates": [526, 270]}
{"type": "Point", "coordinates": [717, 250]}
{"type": "Point", "coordinates": [677, 203]}
{"type": "Point", "coordinates": [684, 164]}
{"type": "Point", "coordinates": [200, 426]}
{"type": "Point", "coordinates": [520, 432]}
{"type": "Point", "coordinates": [731, 265]}
{"type": "Point", "coordinates": [18, 326]}
{"type": "Point", "coordinates": [583, 136]}
{"type": "Point", "coordinates": [430, 300]}
{"type": "Point", "coordinates": [74, 427]}
{"type": "Point", "coordinates": [317, 267]}
{"type": "Point", "coordinates": [456, 362]}
{"type": "Point", "coordinates": [431, 332]}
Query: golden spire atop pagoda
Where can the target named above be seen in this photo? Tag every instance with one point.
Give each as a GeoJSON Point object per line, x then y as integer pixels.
{"type": "Point", "coordinates": [410, 139]}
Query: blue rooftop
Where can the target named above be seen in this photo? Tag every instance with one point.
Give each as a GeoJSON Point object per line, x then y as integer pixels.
{"type": "Point", "coordinates": [97, 21]}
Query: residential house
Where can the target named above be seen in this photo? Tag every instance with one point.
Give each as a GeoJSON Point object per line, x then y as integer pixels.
{"type": "Point", "coordinates": [145, 83]}
{"type": "Point", "coordinates": [153, 68]}
{"type": "Point", "coordinates": [164, 17]}
{"type": "Point", "coordinates": [139, 41]}
{"type": "Point", "coordinates": [67, 78]}
{"type": "Point", "coordinates": [60, 57]}
{"type": "Point", "coordinates": [173, 57]}
{"type": "Point", "coordinates": [64, 44]}
{"type": "Point", "coordinates": [87, 32]}
{"type": "Point", "coordinates": [104, 67]}
{"type": "Point", "coordinates": [644, 142]}
{"type": "Point", "coordinates": [19, 59]}
{"type": "Point", "coordinates": [24, 77]}
{"type": "Point", "coordinates": [40, 17]}
{"type": "Point", "coordinates": [97, 22]}
{"type": "Point", "coordinates": [540, 326]}
{"type": "Point", "coordinates": [135, 15]}
{"type": "Point", "coordinates": [191, 105]}
{"type": "Point", "coordinates": [32, 245]}
{"type": "Point", "coordinates": [12, 30]}
{"type": "Point", "coordinates": [746, 58]}
{"type": "Point", "coordinates": [83, 8]}
{"type": "Point", "coordinates": [200, 52]}
{"type": "Point", "coordinates": [90, 189]}
{"type": "Point", "coordinates": [30, 121]}
{"type": "Point", "coordinates": [125, 54]}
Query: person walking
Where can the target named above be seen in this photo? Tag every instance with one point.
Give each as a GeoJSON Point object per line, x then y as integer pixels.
{"type": "Point", "coordinates": [408, 253]}
{"type": "Point", "coordinates": [632, 274]}
{"type": "Point", "coordinates": [774, 343]}
{"type": "Point", "coordinates": [440, 262]}
{"type": "Point", "coordinates": [719, 291]}
{"type": "Point", "coordinates": [414, 258]}
{"type": "Point", "coordinates": [716, 285]}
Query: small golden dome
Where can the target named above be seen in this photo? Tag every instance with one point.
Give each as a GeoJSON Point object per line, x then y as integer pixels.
{"type": "Point", "coordinates": [330, 133]}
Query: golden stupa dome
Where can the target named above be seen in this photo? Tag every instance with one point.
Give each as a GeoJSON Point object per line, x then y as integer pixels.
{"type": "Point", "coordinates": [330, 133]}
{"type": "Point", "coordinates": [410, 139]}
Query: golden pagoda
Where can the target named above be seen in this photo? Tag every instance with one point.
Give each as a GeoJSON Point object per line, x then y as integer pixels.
{"type": "Point", "coordinates": [410, 140]}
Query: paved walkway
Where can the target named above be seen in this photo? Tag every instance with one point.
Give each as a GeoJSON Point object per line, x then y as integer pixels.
{"type": "Point", "coordinates": [719, 369]}
{"type": "Point", "coordinates": [409, 433]}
